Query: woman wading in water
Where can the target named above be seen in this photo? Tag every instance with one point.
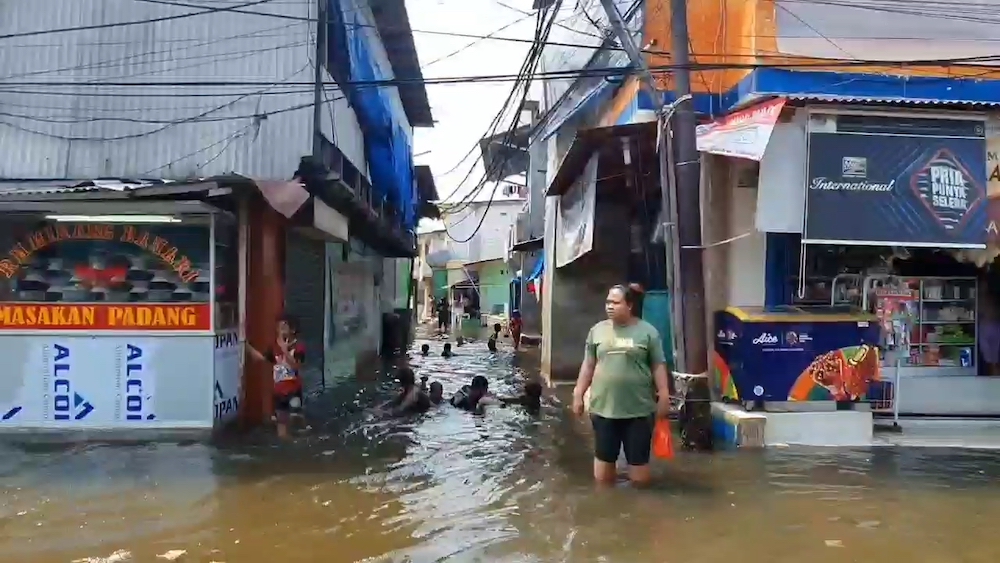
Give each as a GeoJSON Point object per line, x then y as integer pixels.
{"type": "Point", "coordinates": [626, 372]}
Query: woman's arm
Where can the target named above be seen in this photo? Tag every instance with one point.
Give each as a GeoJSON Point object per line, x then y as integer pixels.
{"type": "Point", "coordinates": [662, 379]}
{"type": "Point", "coordinates": [586, 375]}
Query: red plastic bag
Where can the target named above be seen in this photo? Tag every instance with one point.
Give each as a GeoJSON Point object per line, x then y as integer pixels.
{"type": "Point", "coordinates": [663, 439]}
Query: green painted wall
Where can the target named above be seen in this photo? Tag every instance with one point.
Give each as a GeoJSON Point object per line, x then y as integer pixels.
{"type": "Point", "coordinates": [494, 287]}
{"type": "Point", "coordinates": [440, 281]}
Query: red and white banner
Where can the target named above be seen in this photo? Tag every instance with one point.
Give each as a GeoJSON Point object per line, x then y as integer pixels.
{"type": "Point", "coordinates": [743, 134]}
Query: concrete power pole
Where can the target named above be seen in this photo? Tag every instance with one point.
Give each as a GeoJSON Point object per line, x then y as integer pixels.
{"type": "Point", "coordinates": [682, 213]}
{"type": "Point", "coordinates": [696, 415]}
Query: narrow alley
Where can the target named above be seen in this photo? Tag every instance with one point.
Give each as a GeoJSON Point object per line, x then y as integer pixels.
{"type": "Point", "coordinates": [450, 486]}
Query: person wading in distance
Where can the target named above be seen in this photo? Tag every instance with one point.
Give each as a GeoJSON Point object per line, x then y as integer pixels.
{"type": "Point", "coordinates": [625, 369]}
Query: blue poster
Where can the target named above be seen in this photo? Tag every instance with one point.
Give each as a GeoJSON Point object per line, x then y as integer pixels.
{"type": "Point", "coordinates": [896, 190]}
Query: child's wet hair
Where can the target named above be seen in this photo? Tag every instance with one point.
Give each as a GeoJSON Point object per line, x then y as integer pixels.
{"type": "Point", "coordinates": [480, 382]}
{"type": "Point", "coordinates": [436, 386]}
{"type": "Point", "coordinates": [496, 327]}
{"type": "Point", "coordinates": [447, 345]}
{"type": "Point", "coordinates": [425, 347]}
{"type": "Point", "coordinates": [406, 377]}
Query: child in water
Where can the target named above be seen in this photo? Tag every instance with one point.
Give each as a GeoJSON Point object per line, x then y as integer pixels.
{"type": "Point", "coordinates": [436, 393]}
{"type": "Point", "coordinates": [425, 350]}
{"type": "Point", "coordinates": [286, 357]}
{"type": "Point", "coordinates": [410, 398]}
{"type": "Point", "coordinates": [473, 397]}
{"type": "Point", "coordinates": [492, 342]}
{"type": "Point", "coordinates": [447, 353]}
{"type": "Point", "coordinates": [515, 329]}
{"type": "Point", "coordinates": [530, 398]}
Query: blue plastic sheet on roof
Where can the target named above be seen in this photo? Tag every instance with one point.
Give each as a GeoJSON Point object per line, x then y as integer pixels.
{"type": "Point", "coordinates": [390, 156]}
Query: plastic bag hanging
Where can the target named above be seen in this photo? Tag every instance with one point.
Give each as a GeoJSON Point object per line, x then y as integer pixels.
{"type": "Point", "coordinates": [663, 439]}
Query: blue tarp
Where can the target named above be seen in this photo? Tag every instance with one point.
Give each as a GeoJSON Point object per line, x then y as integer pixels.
{"type": "Point", "coordinates": [390, 156]}
{"type": "Point", "coordinates": [539, 267]}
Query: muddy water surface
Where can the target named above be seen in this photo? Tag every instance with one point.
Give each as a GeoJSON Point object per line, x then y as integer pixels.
{"type": "Point", "coordinates": [504, 487]}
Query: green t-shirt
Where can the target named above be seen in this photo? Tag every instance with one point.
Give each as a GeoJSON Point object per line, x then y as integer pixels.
{"type": "Point", "coordinates": [623, 385]}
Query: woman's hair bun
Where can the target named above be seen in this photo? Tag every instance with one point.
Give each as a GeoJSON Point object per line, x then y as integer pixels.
{"type": "Point", "coordinates": [636, 288]}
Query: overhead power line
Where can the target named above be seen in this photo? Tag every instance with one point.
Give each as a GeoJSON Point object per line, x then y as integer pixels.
{"type": "Point", "coordinates": [609, 72]}
{"type": "Point", "coordinates": [203, 11]}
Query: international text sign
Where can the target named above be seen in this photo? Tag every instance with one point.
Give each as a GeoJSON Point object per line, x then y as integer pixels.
{"type": "Point", "coordinates": [105, 316]}
{"type": "Point", "coordinates": [891, 189]}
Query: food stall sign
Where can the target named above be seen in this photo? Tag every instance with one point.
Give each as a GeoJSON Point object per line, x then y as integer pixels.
{"type": "Point", "coordinates": [105, 316]}
{"type": "Point", "coordinates": [21, 253]}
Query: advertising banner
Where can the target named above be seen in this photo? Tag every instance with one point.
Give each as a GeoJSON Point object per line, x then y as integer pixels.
{"type": "Point", "coordinates": [227, 389]}
{"type": "Point", "coordinates": [993, 183]}
{"type": "Point", "coordinates": [896, 190]}
{"type": "Point", "coordinates": [801, 361]}
{"type": "Point", "coordinates": [575, 228]}
{"type": "Point", "coordinates": [742, 134]}
{"type": "Point", "coordinates": [104, 382]}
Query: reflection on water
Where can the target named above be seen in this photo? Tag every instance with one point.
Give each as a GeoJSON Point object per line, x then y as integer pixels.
{"type": "Point", "coordinates": [449, 486]}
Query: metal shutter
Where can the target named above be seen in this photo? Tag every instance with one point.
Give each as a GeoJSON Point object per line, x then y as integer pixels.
{"type": "Point", "coordinates": [305, 261]}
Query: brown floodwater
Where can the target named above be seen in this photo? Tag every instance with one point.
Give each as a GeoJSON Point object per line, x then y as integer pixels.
{"type": "Point", "coordinates": [504, 487]}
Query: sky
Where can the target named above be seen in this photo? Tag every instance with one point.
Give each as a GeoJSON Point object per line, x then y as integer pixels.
{"type": "Point", "coordinates": [464, 111]}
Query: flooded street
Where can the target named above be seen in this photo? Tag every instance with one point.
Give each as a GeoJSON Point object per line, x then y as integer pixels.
{"type": "Point", "coordinates": [505, 487]}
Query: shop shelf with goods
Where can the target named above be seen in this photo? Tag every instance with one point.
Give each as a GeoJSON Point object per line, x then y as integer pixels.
{"type": "Point", "coordinates": [928, 324]}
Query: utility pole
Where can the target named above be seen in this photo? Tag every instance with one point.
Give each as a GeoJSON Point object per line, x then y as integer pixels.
{"type": "Point", "coordinates": [318, 97]}
{"type": "Point", "coordinates": [690, 278]}
{"type": "Point", "coordinates": [620, 29]}
{"type": "Point", "coordinates": [680, 184]}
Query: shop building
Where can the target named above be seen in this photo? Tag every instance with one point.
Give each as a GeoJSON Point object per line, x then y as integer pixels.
{"type": "Point", "coordinates": [831, 195]}
{"type": "Point", "coordinates": [201, 222]}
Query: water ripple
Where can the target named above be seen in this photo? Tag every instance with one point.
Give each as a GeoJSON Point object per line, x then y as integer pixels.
{"type": "Point", "coordinates": [505, 487]}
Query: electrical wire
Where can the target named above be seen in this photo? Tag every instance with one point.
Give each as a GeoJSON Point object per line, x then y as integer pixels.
{"type": "Point", "coordinates": [475, 42]}
{"type": "Point", "coordinates": [537, 48]}
{"type": "Point", "coordinates": [527, 66]}
{"type": "Point", "coordinates": [491, 128]}
{"type": "Point", "coordinates": [237, 9]}
{"type": "Point", "coordinates": [170, 52]}
{"type": "Point", "coordinates": [164, 127]}
{"type": "Point", "coordinates": [203, 11]}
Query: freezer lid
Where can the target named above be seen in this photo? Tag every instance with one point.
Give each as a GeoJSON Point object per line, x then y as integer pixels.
{"type": "Point", "coordinates": [789, 314]}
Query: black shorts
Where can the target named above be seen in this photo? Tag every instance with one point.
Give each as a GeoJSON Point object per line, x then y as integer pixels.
{"type": "Point", "coordinates": [612, 434]}
{"type": "Point", "coordinates": [283, 403]}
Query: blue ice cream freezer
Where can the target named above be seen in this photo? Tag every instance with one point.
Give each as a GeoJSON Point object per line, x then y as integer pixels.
{"type": "Point", "coordinates": [795, 354]}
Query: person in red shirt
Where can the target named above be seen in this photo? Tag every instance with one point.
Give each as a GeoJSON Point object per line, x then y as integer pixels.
{"type": "Point", "coordinates": [515, 328]}
{"type": "Point", "coordinates": [286, 356]}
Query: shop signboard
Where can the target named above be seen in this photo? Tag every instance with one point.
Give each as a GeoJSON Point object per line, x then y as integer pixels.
{"type": "Point", "coordinates": [896, 189]}
{"type": "Point", "coordinates": [742, 134]}
{"type": "Point", "coordinates": [68, 381]}
{"type": "Point", "coordinates": [993, 184]}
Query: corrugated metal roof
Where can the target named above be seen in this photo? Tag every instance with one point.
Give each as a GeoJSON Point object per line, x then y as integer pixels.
{"type": "Point", "coordinates": [887, 100]}
{"type": "Point", "coordinates": [45, 188]}
{"type": "Point", "coordinates": [67, 130]}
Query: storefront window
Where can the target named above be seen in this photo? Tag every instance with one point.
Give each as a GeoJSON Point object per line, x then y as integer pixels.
{"type": "Point", "coordinates": [85, 260]}
{"type": "Point", "coordinates": [227, 274]}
